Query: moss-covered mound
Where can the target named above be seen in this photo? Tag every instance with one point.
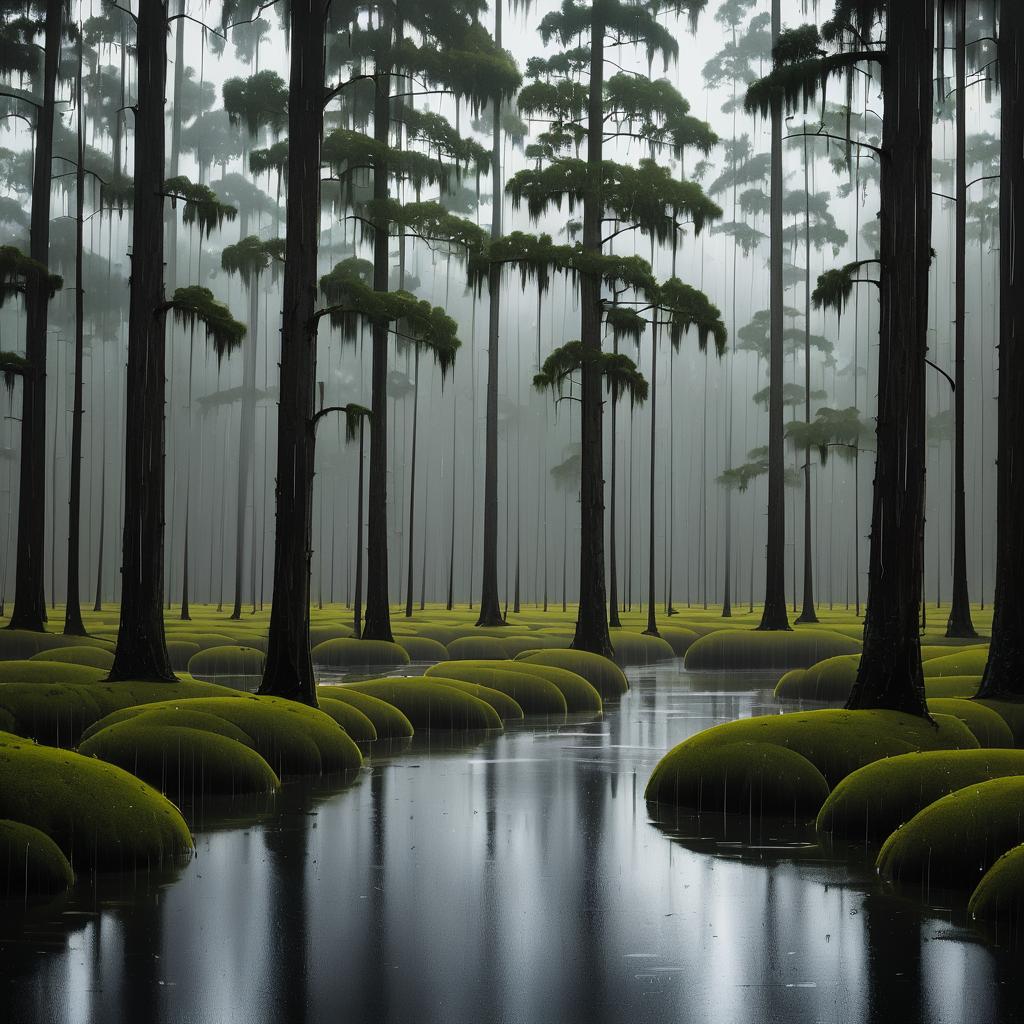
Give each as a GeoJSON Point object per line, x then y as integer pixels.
{"type": "Point", "coordinates": [358, 725]}
{"type": "Point", "coordinates": [835, 742]}
{"type": "Point", "coordinates": [387, 720]}
{"type": "Point", "coordinates": [39, 671]}
{"type": "Point", "coordinates": [1012, 713]}
{"type": "Point", "coordinates": [201, 640]}
{"type": "Point", "coordinates": [505, 706]}
{"type": "Point", "coordinates": [580, 696]}
{"type": "Point", "coordinates": [740, 649]}
{"type": "Point", "coordinates": [17, 644]}
{"type": "Point", "coordinates": [30, 862]}
{"type": "Point", "coordinates": [828, 681]}
{"type": "Point", "coordinates": [442, 634]}
{"type": "Point", "coordinates": [516, 645]}
{"type": "Point", "coordinates": [969, 661]}
{"type": "Point", "coordinates": [639, 649]}
{"type": "Point", "coordinates": [91, 657]}
{"type": "Point", "coordinates": [430, 705]}
{"type": "Point", "coordinates": [228, 660]}
{"type": "Point", "coordinates": [181, 761]}
{"type": "Point", "coordinates": [181, 652]}
{"type": "Point", "coordinates": [954, 841]}
{"type": "Point", "coordinates": [951, 686]}
{"type": "Point", "coordinates": [292, 738]}
{"type": "Point", "coordinates": [98, 814]}
{"type": "Point", "coordinates": [321, 634]}
{"type": "Point", "coordinates": [998, 898]}
{"type": "Point", "coordinates": [987, 725]}
{"type": "Point", "coordinates": [477, 648]}
{"type": "Point", "coordinates": [605, 676]}
{"type": "Point", "coordinates": [872, 802]}
{"type": "Point", "coordinates": [679, 638]}
{"type": "Point", "coordinates": [536, 696]}
{"type": "Point", "coordinates": [422, 648]}
{"type": "Point", "coordinates": [740, 778]}
{"type": "Point", "coordinates": [349, 653]}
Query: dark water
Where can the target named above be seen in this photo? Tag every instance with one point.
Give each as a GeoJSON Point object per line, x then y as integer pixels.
{"type": "Point", "coordinates": [517, 879]}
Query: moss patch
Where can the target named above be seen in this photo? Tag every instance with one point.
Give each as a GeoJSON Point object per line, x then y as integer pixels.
{"type": "Point", "coordinates": [180, 652]}
{"type": "Point", "coordinates": [1012, 713]}
{"type": "Point", "coordinates": [503, 704]}
{"type": "Point", "coordinates": [321, 634]}
{"type": "Point", "coordinates": [30, 862]}
{"type": "Point", "coordinates": [872, 802]}
{"type": "Point", "coordinates": [226, 661]}
{"type": "Point", "coordinates": [98, 814]}
{"type": "Point", "coordinates": [431, 705]}
{"type": "Point", "coordinates": [516, 645]}
{"type": "Point", "coordinates": [477, 648]}
{"type": "Point", "coordinates": [678, 638]}
{"type": "Point", "coordinates": [534, 695]}
{"type": "Point", "coordinates": [605, 676]}
{"type": "Point", "coordinates": [39, 671]}
{"type": "Point", "coordinates": [970, 661]}
{"type": "Point", "coordinates": [387, 720]}
{"type": "Point", "coordinates": [351, 719]}
{"type": "Point", "coordinates": [955, 840]}
{"type": "Point", "coordinates": [580, 696]}
{"type": "Point", "coordinates": [998, 898]}
{"type": "Point", "coordinates": [638, 649]}
{"type": "Point", "coordinates": [346, 653]}
{"type": "Point", "coordinates": [91, 657]}
{"type": "Point", "coordinates": [23, 643]}
{"type": "Point", "coordinates": [987, 725]}
{"type": "Point", "coordinates": [751, 649]}
{"type": "Point", "coordinates": [422, 648]}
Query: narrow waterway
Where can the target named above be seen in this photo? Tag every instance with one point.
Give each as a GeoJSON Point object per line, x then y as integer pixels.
{"type": "Point", "coordinates": [513, 878]}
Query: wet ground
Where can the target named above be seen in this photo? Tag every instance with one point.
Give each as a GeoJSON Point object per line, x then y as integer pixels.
{"type": "Point", "coordinates": [513, 878]}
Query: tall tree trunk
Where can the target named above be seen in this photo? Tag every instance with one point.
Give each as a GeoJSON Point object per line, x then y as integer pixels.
{"type": "Point", "coordinates": [288, 670]}
{"type": "Point", "coordinates": [451, 562]}
{"type": "Point", "coordinates": [774, 616]}
{"type": "Point", "coordinates": [613, 571]}
{"type": "Point", "coordinates": [29, 600]}
{"type": "Point", "coordinates": [652, 620]}
{"type": "Point", "coordinates": [410, 575]}
{"type": "Point", "coordinates": [98, 602]}
{"type": "Point", "coordinates": [592, 617]}
{"type": "Point", "coordinates": [889, 675]}
{"type": "Point", "coordinates": [378, 615]}
{"type": "Point", "coordinates": [141, 651]}
{"type": "Point", "coordinates": [959, 623]}
{"type": "Point", "coordinates": [246, 434]}
{"type": "Point", "coordinates": [1004, 672]}
{"type": "Point", "coordinates": [73, 625]}
{"type": "Point", "coordinates": [357, 603]}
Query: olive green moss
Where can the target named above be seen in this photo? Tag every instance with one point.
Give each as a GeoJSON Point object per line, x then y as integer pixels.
{"type": "Point", "coordinates": [388, 722]}
{"type": "Point", "coordinates": [1011, 712]}
{"type": "Point", "coordinates": [98, 814]}
{"type": "Point", "coordinates": [442, 634]}
{"type": "Point", "coordinates": [351, 719]}
{"type": "Point", "coordinates": [998, 899]}
{"type": "Point", "coordinates": [201, 640]}
{"type": "Point", "coordinates": [422, 648]}
{"type": "Point", "coordinates": [321, 634]}
{"type": "Point", "coordinates": [952, 842]}
{"type": "Point", "coordinates": [678, 638]}
{"type": "Point", "coordinates": [477, 648]}
{"type": "Point", "coordinates": [180, 653]}
{"type": "Point", "coordinates": [580, 696]}
{"type": "Point", "coordinates": [828, 681]}
{"type": "Point", "coordinates": [430, 705]}
{"type": "Point", "coordinates": [226, 661]}
{"type": "Point", "coordinates": [292, 738]}
{"type": "Point", "coordinates": [988, 726]}
{"type": "Point", "coordinates": [91, 657]}
{"type": "Point", "coordinates": [741, 649]}
{"type": "Point", "coordinates": [638, 649]}
{"type": "Point", "coordinates": [503, 704]}
{"type": "Point", "coordinates": [534, 695]}
{"type": "Point", "coordinates": [516, 645]}
{"type": "Point", "coordinates": [604, 675]}
{"type": "Point", "coordinates": [344, 653]}
{"type": "Point", "coordinates": [38, 671]}
{"type": "Point", "coordinates": [30, 862]}
{"type": "Point", "coordinates": [181, 762]}
{"type": "Point", "coordinates": [967, 662]}
{"type": "Point", "coordinates": [741, 778]}
{"type": "Point", "coordinates": [835, 742]}
{"type": "Point", "coordinates": [17, 644]}
{"type": "Point", "coordinates": [872, 802]}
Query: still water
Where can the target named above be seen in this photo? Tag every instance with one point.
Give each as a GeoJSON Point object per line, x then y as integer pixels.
{"type": "Point", "coordinates": [513, 878]}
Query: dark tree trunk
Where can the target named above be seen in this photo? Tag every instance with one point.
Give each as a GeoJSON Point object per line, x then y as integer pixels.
{"type": "Point", "coordinates": [412, 486]}
{"type": "Point", "coordinates": [246, 434]}
{"type": "Point", "coordinates": [652, 619]}
{"type": "Point", "coordinates": [451, 563]}
{"type": "Point", "coordinates": [141, 651]}
{"type": "Point", "coordinates": [592, 618]}
{"type": "Point", "coordinates": [29, 600]}
{"type": "Point", "coordinates": [959, 623]}
{"type": "Point", "coordinates": [889, 675]}
{"type": "Point", "coordinates": [357, 617]}
{"type": "Point", "coordinates": [1004, 673]}
{"type": "Point", "coordinates": [613, 571]}
{"type": "Point", "coordinates": [288, 671]}
{"type": "Point", "coordinates": [774, 615]}
{"type": "Point", "coordinates": [378, 615]}
{"type": "Point", "coordinates": [73, 625]}
{"type": "Point", "coordinates": [98, 602]}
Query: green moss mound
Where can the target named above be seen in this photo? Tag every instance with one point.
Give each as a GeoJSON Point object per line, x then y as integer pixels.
{"type": "Point", "coordinates": [678, 638]}
{"type": "Point", "coordinates": [970, 661]}
{"type": "Point", "coordinates": [516, 645]}
{"type": "Point", "coordinates": [639, 649]}
{"type": "Point", "coordinates": [422, 648]}
{"type": "Point", "coordinates": [39, 671]}
{"type": "Point", "coordinates": [226, 661]}
{"type": "Point", "coordinates": [442, 634]}
{"type": "Point", "coordinates": [345, 653]}
{"type": "Point", "coordinates": [30, 862]}
{"type": "Point", "coordinates": [955, 840]}
{"type": "Point", "coordinates": [951, 686]}
{"type": "Point", "coordinates": [387, 720]}
{"type": "Point", "coordinates": [605, 676]}
{"type": "Point", "coordinates": [321, 634]}
{"type": "Point", "coordinates": [430, 705]}
{"type": "Point", "coordinates": [91, 657]}
{"type": "Point", "coordinates": [998, 898]}
{"type": "Point", "coordinates": [741, 649]}
{"type": "Point", "coordinates": [98, 814]}
{"type": "Point", "coordinates": [534, 695]}
{"type": "Point", "coordinates": [180, 761]}
{"type": "Point", "coordinates": [987, 725]}
{"type": "Point", "coordinates": [477, 648]}
{"type": "Point", "coordinates": [180, 653]}
{"type": "Point", "coordinates": [580, 696]}
{"type": "Point", "coordinates": [292, 738]}
{"type": "Point", "coordinates": [742, 778]}
{"type": "Point", "coordinates": [18, 644]}
{"type": "Point", "coordinates": [872, 802]}
{"type": "Point", "coordinates": [201, 640]}
{"type": "Point", "coordinates": [351, 719]}
{"type": "Point", "coordinates": [1012, 713]}
{"type": "Point", "coordinates": [503, 704]}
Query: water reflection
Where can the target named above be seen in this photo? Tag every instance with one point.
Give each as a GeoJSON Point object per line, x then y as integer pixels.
{"type": "Point", "coordinates": [512, 878]}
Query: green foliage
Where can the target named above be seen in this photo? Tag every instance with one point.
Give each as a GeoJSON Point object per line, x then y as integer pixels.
{"type": "Point", "coordinates": [619, 371]}
{"type": "Point", "coordinates": [687, 307]}
{"type": "Point", "coordinates": [202, 205]}
{"type": "Point", "coordinates": [194, 305]}
{"type": "Point", "coordinates": [835, 287]}
{"type": "Point", "coordinates": [259, 101]}
{"type": "Point", "coordinates": [841, 429]}
{"type": "Point", "coordinates": [17, 269]}
{"type": "Point", "coordinates": [252, 256]}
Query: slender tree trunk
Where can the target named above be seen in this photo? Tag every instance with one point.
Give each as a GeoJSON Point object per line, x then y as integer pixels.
{"type": "Point", "coordinates": [141, 651]}
{"type": "Point", "coordinates": [29, 600]}
{"type": "Point", "coordinates": [288, 670]}
{"type": "Point", "coordinates": [889, 675]}
{"type": "Point", "coordinates": [246, 434]}
{"type": "Point", "coordinates": [592, 617]}
{"type": "Point", "coordinates": [357, 618]}
{"type": "Point", "coordinates": [613, 570]}
{"type": "Point", "coordinates": [451, 563]}
{"type": "Point", "coordinates": [98, 602]}
{"type": "Point", "coordinates": [959, 623]}
{"type": "Point", "coordinates": [652, 620]}
{"type": "Point", "coordinates": [774, 615]}
{"type": "Point", "coordinates": [412, 486]}
{"type": "Point", "coordinates": [1004, 673]}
